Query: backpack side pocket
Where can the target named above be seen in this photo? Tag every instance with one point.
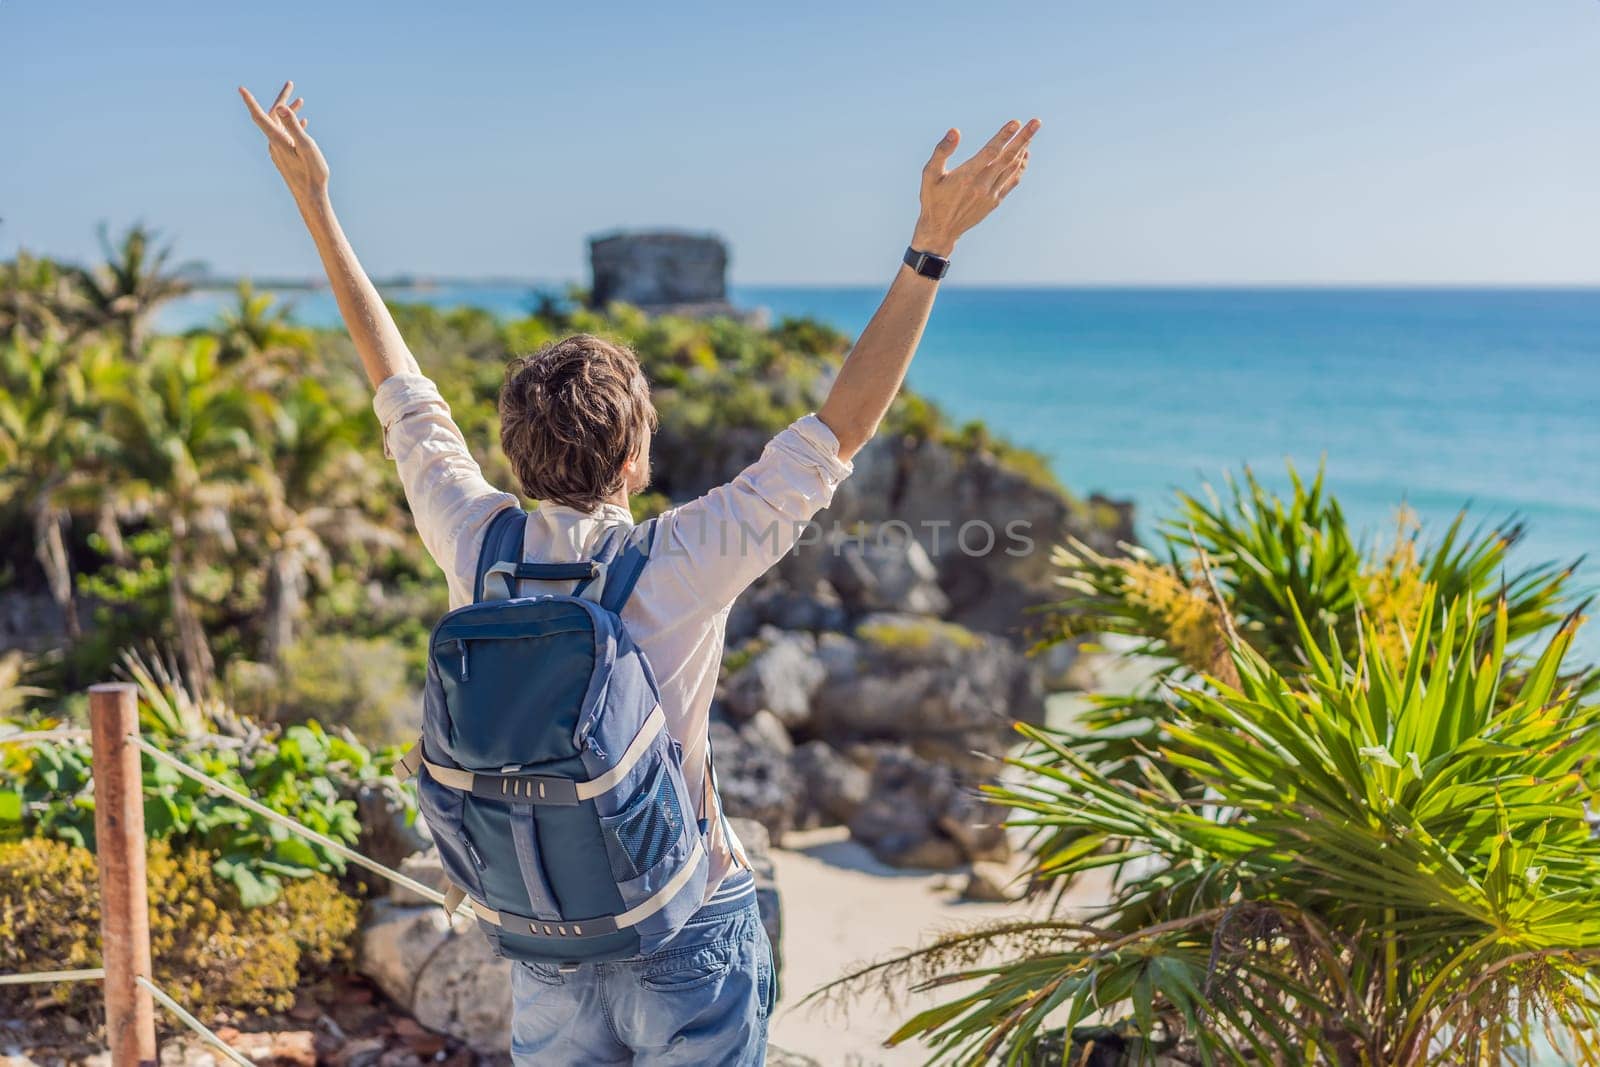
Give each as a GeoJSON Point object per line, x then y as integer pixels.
{"type": "Point", "coordinates": [444, 810]}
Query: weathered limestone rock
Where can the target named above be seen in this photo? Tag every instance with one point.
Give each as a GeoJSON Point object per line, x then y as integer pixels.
{"type": "Point", "coordinates": [386, 834]}
{"type": "Point", "coordinates": [944, 690]}
{"type": "Point", "coordinates": [465, 991]}
{"type": "Point", "coordinates": [447, 978]}
{"type": "Point", "coordinates": [781, 678]}
{"type": "Point", "coordinates": [922, 813]}
{"type": "Point", "coordinates": [872, 568]}
{"type": "Point", "coordinates": [773, 602]}
{"type": "Point", "coordinates": [986, 525]}
{"type": "Point", "coordinates": [887, 571]}
{"type": "Point", "coordinates": [768, 731]}
{"type": "Point", "coordinates": [832, 788]}
{"type": "Point", "coordinates": [754, 776]}
{"type": "Point", "coordinates": [424, 867]}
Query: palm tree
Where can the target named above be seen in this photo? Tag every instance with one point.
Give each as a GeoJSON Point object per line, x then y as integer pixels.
{"type": "Point", "coordinates": [120, 295]}
{"type": "Point", "coordinates": [311, 481]}
{"type": "Point", "coordinates": [1243, 568]}
{"type": "Point", "coordinates": [45, 438]}
{"type": "Point", "coordinates": [35, 298]}
{"type": "Point", "coordinates": [180, 427]}
{"type": "Point", "coordinates": [257, 324]}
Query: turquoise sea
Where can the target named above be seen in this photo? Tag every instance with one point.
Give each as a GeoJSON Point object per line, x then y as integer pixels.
{"type": "Point", "coordinates": [1438, 399]}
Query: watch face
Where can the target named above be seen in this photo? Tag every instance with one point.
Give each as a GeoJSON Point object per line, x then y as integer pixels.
{"type": "Point", "coordinates": [927, 264]}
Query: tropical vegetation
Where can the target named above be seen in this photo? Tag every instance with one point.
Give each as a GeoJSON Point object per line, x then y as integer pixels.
{"type": "Point", "coordinates": [1349, 819]}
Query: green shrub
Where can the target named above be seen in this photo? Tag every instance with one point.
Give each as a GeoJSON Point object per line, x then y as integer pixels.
{"type": "Point", "coordinates": [303, 771]}
{"type": "Point", "coordinates": [362, 683]}
{"type": "Point", "coordinates": [1348, 819]}
{"type": "Point", "coordinates": [209, 951]}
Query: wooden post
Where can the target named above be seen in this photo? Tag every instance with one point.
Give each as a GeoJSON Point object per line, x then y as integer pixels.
{"type": "Point", "coordinates": [124, 901]}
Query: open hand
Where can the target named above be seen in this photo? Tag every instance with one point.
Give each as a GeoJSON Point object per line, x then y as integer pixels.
{"type": "Point", "coordinates": [293, 152]}
{"type": "Point", "coordinates": [955, 201]}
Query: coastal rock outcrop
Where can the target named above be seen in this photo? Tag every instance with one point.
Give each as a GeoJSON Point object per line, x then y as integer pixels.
{"type": "Point", "coordinates": [832, 787]}
{"type": "Point", "coordinates": [941, 688]}
{"type": "Point", "coordinates": [754, 776]}
{"type": "Point", "coordinates": [661, 271]}
{"type": "Point", "coordinates": [781, 677]}
{"type": "Point", "coordinates": [922, 813]}
{"type": "Point", "coordinates": [889, 730]}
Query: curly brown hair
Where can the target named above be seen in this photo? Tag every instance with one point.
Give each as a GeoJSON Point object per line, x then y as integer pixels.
{"type": "Point", "coordinates": [571, 415]}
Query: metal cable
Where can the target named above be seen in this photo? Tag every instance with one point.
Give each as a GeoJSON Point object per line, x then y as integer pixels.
{"type": "Point", "coordinates": [191, 1022]}
{"type": "Point", "coordinates": [426, 892]}
{"type": "Point", "coordinates": [91, 974]}
{"type": "Point", "coordinates": [65, 733]}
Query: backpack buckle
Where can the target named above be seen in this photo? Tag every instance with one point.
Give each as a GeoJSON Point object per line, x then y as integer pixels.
{"type": "Point", "coordinates": [596, 587]}
{"type": "Point", "coordinates": [525, 788]}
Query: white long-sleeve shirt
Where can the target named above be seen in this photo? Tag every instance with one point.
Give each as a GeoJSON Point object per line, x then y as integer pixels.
{"type": "Point", "coordinates": [706, 552]}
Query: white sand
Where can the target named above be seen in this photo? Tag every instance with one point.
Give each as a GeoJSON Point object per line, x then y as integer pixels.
{"type": "Point", "coordinates": [840, 907]}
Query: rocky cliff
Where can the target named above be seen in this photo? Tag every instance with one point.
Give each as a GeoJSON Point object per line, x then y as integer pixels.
{"type": "Point", "coordinates": [661, 272]}
{"type": "Point", "coordinates": [874, 677]}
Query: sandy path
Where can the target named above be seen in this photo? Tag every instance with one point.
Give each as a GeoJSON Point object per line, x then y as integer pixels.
{"type": "Point", "coordinates": [841, 906]}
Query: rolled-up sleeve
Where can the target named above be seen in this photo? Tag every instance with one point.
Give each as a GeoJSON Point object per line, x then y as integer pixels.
{"type": "Point", "coordinates": [711, 548]}
{"type": "Point", "coordinates": [451, 501]}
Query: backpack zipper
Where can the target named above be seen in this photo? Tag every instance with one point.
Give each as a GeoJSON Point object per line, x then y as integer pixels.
{"type": "Point", "coordinates": [477, 859]}
{"type": "Point", "coordinates": [461, 644]}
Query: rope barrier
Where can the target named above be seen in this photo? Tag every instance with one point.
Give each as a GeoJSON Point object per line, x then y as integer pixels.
{"type": "Point", "coordinates": [62, 734]}
{"type": "Point", "coordinates": [91, 974]}
{"type": "Point", "coordinates": [426, 892]}
{"type": "Point", "coordinates": [293, 825]}
{"type": "Point", "coordinates": [191, 1022]}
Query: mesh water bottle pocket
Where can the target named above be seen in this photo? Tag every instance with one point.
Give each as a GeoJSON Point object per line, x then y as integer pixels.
{"type": "Point", "coordinates": [641, 835]}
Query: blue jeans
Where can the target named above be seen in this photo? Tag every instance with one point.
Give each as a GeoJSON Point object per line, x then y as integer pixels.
{"type": "Point", "coordinates": [702, 1000]}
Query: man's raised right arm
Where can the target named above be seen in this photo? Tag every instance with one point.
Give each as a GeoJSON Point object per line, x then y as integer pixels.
{"type": "Point", "coordinates": [382, 350]}
{"type": "Point", "coordinates": [450, 500]}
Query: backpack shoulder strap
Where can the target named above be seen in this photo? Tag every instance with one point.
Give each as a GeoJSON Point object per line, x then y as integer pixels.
{"type": "Point", "coordinates": [502, 543]}
{"type": "Point", "coordinates": [624, 553]}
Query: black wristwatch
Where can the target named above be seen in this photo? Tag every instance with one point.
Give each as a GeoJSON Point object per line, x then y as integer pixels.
{"type": "Point", "coordinates": [927, 264]}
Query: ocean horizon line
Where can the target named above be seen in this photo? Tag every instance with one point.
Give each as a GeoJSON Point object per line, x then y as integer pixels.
{"type": "Point", "coordinates": [422, 282]}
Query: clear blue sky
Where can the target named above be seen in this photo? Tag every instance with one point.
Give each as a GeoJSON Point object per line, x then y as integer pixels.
{"type": "Point", "coordinates": [1428, 140]}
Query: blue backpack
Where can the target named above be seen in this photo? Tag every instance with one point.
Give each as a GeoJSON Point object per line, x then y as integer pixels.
{"type": "Point", "coordinates": [545, 771]}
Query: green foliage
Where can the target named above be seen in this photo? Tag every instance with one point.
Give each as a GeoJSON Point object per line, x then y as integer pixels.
{"type": "Point", "coordinates": [363, 683]}
{"type": "Point", "coordinates": [1244, 569]}
{"type": "Point", "coordinates": [119, 294]}
{"type": "Point", "coordinates": [302, 771]}
{"type": "Point", "coordinates": [210, 950]}
{"type": "Point", "coordinates": [736, 659]}
{"type": "Point", "coordinates": [1348, 819]}
{"type": "Point", "coordinates": [1385, 863]}
{"type": "Point", "coordinates": [1258, 558]}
